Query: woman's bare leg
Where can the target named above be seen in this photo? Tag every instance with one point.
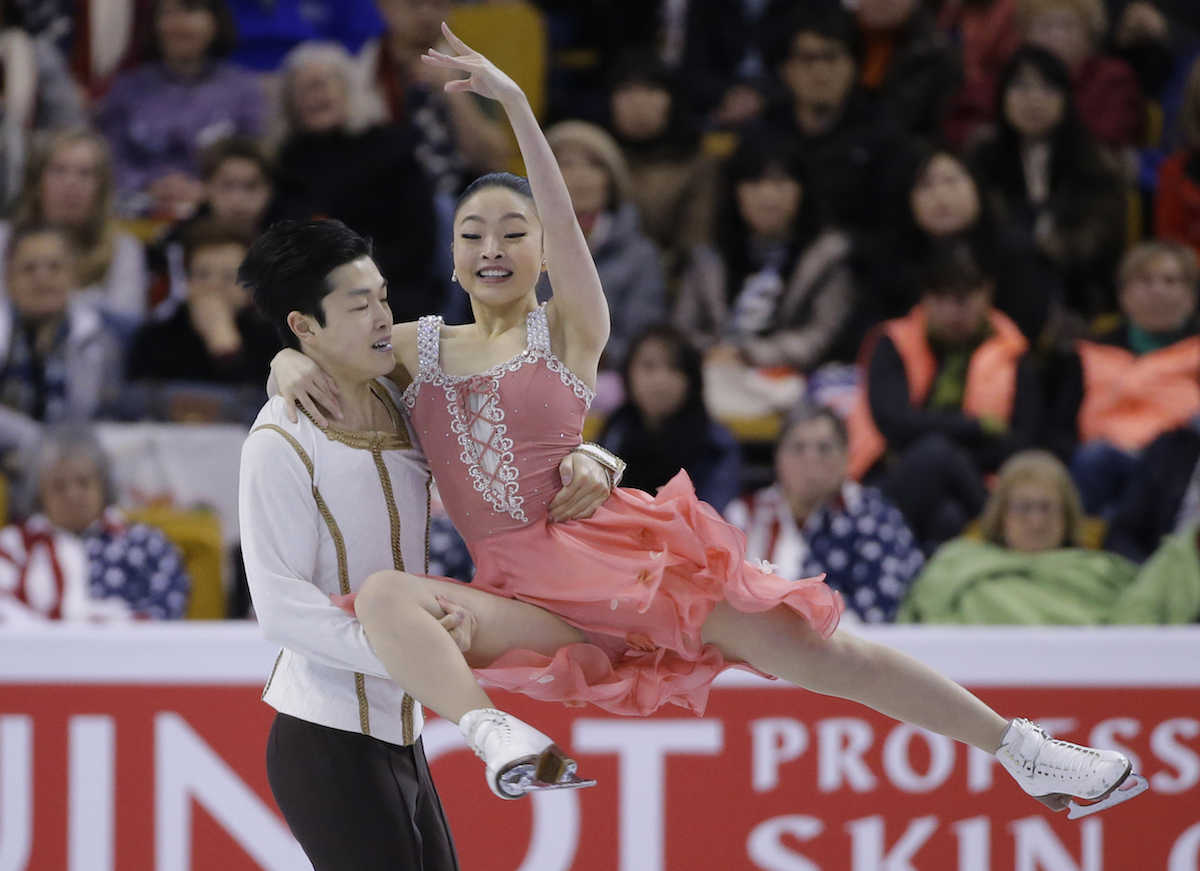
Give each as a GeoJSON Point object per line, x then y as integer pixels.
{"type": "Point", "coordinates": [400, 614]}
{"type": "Point", "coordinates": [782, 643]}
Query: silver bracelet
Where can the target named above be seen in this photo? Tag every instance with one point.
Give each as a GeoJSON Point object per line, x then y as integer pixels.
{"type": "Point", "coordinates": [612, 464]}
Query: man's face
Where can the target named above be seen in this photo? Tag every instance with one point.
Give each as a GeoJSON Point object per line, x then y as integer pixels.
{"type": "Point", "coordinates": [238, 193]}
{"type": "Point", "coordinates": [819, 71]}
{"type": "Point", "coordinates": [185, 34]}
{"type": "Point", "coordinates": [213, 273]}
{"type": "Point", "coordinates": [356, 340]}
{"type": "Point", "coordinates": [954, 318]}
{"type": "Point", "coordinates": [1158, 297]}
{"type": "Point", "coordinates": [40, 275]}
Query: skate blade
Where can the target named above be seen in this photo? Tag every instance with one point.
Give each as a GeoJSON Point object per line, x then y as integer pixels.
{"type": "Point", "coordinates": [1132, 786]}
{"type": "Point", "coordinates": [571, 781]}
{"type": "Point", "coordinates": [522, 778]}
{"type": "Point", "coordinates": [551, 769]}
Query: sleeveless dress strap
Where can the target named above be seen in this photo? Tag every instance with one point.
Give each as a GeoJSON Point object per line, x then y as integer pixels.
{"type": "Point", "coordinates": [429, 331]}
{"type": "Point", "coordinates": [537, 330]}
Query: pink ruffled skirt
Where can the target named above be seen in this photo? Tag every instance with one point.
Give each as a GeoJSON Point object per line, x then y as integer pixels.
{"type": "Point", "coordinates": [639, 577]}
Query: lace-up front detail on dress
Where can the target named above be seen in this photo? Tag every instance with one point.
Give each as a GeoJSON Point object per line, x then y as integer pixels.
{"type": "Point", "coordinates": [480, 416]}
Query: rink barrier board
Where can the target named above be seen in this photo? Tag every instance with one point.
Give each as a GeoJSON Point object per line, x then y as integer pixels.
{"type": "Point", "coordinates": [141, 747]}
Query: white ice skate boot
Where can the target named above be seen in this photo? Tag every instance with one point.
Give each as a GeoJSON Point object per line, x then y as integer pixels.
{"type": "Point", "coordinates": [1056, 771]}
{"type": "Point", "coordinates": [519, 758]}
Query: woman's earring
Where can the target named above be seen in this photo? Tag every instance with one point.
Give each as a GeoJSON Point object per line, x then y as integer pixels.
{"type": "Point", "coordinates": [454, 275]}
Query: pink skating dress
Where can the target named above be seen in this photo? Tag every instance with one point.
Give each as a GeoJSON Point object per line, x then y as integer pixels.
{"type": "Point", "coordinates": [639, 577]}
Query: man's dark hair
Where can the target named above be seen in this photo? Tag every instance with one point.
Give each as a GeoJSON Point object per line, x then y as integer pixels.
{"type": "Point", "coordinates": [287, 269]}
{"type": "Point", "coordinates": [24, 230]}
{"type": "Point", "coordinates": [830, 22]}
{"type": "Point", "coordinates": [224, 38]}
{"type": "Point", "coordinates": [952, 270]}
{"type": "Point", "coordinates": [209, 233]}
{"type": "Point", "coordinates": [214, 156]}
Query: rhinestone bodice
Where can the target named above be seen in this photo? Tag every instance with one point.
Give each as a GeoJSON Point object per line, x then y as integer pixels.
{"type": "Point", "coordinates": [494, 439]}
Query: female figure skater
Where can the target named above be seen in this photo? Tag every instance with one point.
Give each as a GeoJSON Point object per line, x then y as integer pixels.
{"type": "Point", "coordinates": [649, 599]}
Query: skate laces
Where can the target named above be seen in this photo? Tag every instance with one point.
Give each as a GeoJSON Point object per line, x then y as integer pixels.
{"type": "Point", "coordinates": [1059, 756]}
{"type": "Point", "coordinates": [1066, 757]}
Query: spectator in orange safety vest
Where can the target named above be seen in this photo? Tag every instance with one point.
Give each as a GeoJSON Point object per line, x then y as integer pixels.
{"type": "Point", "coordinates": [1127, 386]}
{"type": "Point", "coordinates": [950, 394]}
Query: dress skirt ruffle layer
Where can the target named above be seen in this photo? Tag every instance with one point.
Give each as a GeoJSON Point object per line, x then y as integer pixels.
{"type": "Point", "coordinates": [640, 577]}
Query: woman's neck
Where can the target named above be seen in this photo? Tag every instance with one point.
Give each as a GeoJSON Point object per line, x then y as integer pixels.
{"type": "Point", "coordinates": [804, 504]}
{"type": "Point", "coordinates": [493, 321]}
{"type": "Point", "coordinates": [769, 240]}
{"type": "Point", "coordinates": [186, 68]}
{"type": "Point", "coordinates": [655, 422]}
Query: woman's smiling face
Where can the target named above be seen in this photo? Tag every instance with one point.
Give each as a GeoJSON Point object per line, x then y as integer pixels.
{"type": "Point", "coordinates": [497, 245]}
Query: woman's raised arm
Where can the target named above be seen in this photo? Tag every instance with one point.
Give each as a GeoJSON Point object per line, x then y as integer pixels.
{"type": "Point", "coordinates": [578, 296]}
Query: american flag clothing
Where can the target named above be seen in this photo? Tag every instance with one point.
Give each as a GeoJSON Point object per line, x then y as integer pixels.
{"type": "Point", "coordinates": [137, 564]}
{"type": "Point", "coordinates": [113, 570]}
{"type": "Point", "coordinates": [858, 540]}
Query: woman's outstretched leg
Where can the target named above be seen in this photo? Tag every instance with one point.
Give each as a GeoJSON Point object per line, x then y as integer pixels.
{"type": "Point", "coordinates": [401, 615]}
{"type": "Point", "coordinates": [782, 643]}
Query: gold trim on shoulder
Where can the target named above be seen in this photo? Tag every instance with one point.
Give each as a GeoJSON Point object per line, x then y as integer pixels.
{"type": "Point", "coordinates": [296, 446]}
{"type": "Point", "coordinates": [372, 440]}
{"type": "Point", "coordinates": [339, 547]}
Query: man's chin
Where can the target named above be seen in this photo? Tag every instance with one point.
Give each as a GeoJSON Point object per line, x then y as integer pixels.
{"type": "Point", "coordinates": [381, 370]}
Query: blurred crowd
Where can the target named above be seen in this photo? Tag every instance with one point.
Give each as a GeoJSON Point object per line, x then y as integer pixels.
{"type": "Point", "coordinates": [908, 287]}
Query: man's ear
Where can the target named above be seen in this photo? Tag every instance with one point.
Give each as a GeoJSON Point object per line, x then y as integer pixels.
{"type": "Point", "coordinates": [301, 325]}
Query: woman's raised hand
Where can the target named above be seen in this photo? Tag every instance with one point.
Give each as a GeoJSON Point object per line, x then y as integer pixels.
{"type": "Point", "coordinates": [298, 379]}
{"type": "Point", "coordinates": [483, 76]}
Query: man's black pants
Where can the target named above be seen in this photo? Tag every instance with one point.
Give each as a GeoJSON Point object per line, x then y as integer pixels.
{"type": "Point", "coordinates": [356, 803]}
